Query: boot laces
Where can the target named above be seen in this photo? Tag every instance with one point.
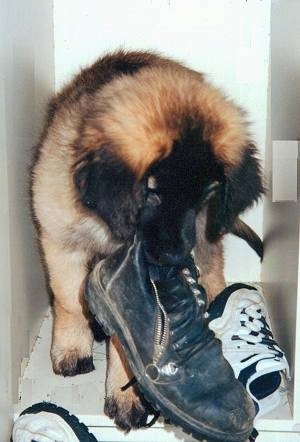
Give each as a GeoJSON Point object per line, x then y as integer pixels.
{"type": "Point", "coordinates": [184, 319]}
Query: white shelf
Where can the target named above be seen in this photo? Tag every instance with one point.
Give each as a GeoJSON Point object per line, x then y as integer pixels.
{"type": "Point", "coordinates": [83, 395]}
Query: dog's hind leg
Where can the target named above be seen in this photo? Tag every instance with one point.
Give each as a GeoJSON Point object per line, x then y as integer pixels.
{"type": "Point", "coordinates": [72, 339]}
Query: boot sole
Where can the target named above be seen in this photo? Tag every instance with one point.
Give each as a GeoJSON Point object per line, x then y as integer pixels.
{"type": "Point", "coordinates": [112, 325]}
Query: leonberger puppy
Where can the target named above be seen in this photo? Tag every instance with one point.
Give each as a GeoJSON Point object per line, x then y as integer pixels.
{"type": "Point", "coordinates": [130, 125]}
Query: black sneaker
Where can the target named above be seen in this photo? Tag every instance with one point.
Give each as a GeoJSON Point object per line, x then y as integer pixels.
{"type": "Point", "coordinates": [162, 326]}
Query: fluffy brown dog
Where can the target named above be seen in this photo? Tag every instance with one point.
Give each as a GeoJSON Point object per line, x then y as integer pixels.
{"type": "Point", "coordinates": [133, 123]}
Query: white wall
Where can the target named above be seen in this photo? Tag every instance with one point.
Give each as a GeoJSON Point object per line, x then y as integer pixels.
{"type": "Point", "coordinates": [227, 39]}
{"type": "Point", "coordinates": [26, 79]}
{"type": "Point", "coordinates": [5, 312]}
{"type": "Point", "coordinates": [281, 219]}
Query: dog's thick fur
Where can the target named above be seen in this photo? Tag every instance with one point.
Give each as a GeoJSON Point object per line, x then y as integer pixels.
{"type": "Point", "coordinates": [129, 122]}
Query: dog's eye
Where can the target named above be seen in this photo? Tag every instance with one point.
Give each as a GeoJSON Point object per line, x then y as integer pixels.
{"type": "Point", "coordinates": [153, 199]}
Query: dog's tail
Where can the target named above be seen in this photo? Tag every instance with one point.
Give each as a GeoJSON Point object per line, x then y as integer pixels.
{"type": "Point", "coordinates": [243, 231]}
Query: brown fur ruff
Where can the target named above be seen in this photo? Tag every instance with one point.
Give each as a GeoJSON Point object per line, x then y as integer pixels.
{"type": "Point", "coordinates": [141, 116]}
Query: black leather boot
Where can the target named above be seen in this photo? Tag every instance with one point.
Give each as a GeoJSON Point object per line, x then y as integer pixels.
{"type": "Point", "coordinates": [159, 317]}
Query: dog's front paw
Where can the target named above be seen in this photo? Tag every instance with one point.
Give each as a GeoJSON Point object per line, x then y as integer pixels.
{"type": "Point", "coordinates": [71, 350]}
{"type": "Point", "coordinates": [127, 410]}
{"type": "Point", "coordinates": [70, 362]}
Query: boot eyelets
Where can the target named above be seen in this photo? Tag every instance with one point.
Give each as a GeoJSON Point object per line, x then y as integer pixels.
{"type": "Point", "coordinates": [190, 280]}
{"type": "Point", "coordinates": [200, 302]}
{"type": "Point", "coordinates": [196, 291]}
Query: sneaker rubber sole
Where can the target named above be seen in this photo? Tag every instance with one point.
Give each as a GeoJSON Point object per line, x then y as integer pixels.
{"type": "Point", "coordinates": [66, 424]}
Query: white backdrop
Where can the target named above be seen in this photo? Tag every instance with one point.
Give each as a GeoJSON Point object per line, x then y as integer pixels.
{"type": "Point", "coordinates": [226, 39]}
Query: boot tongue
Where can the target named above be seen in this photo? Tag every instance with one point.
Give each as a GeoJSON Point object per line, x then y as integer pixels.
{"type": "Point", "coordinates": [162, 273]}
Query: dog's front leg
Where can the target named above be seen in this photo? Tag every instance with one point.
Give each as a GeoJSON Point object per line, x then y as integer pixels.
{"type": "Point", "coordinates": [126, 407]}
{"type": "Point", "coordinates": [72, 340]}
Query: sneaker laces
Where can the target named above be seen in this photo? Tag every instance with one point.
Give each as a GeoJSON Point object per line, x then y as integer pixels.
{"type": "Point", "coordinates": [254, 329]}
{"type": "Point", "coordinates": [252, 334]}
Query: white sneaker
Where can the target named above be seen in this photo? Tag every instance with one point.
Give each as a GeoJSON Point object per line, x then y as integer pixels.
{"type": "Point", "coordinates": [45, 422]}
{"type": "Point", "coordinates": [239, 319]}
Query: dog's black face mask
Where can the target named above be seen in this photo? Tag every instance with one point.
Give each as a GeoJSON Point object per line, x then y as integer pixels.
{"type": "Point", "coordinates": [108, 188]}
{"type": "Point", "coordinates": [172, 193]}
{"type": "Point", "coordinates": [178, 187]}
{"type": "Point", "coordinates": [168, 231]}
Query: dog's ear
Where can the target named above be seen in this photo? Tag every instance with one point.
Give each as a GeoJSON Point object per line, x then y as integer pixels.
{"type": "Point", "coordinates": [108, 188]}
{"type": "Point", "coordinates": [241, 188]}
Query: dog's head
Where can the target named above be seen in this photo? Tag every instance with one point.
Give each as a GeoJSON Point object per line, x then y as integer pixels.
{"type": "Point", "coordinates": [162, 146]}
{"type": "Point", "coordinates": [177, 188]}
{"type": "Point", "coordinates": [185, 183]}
